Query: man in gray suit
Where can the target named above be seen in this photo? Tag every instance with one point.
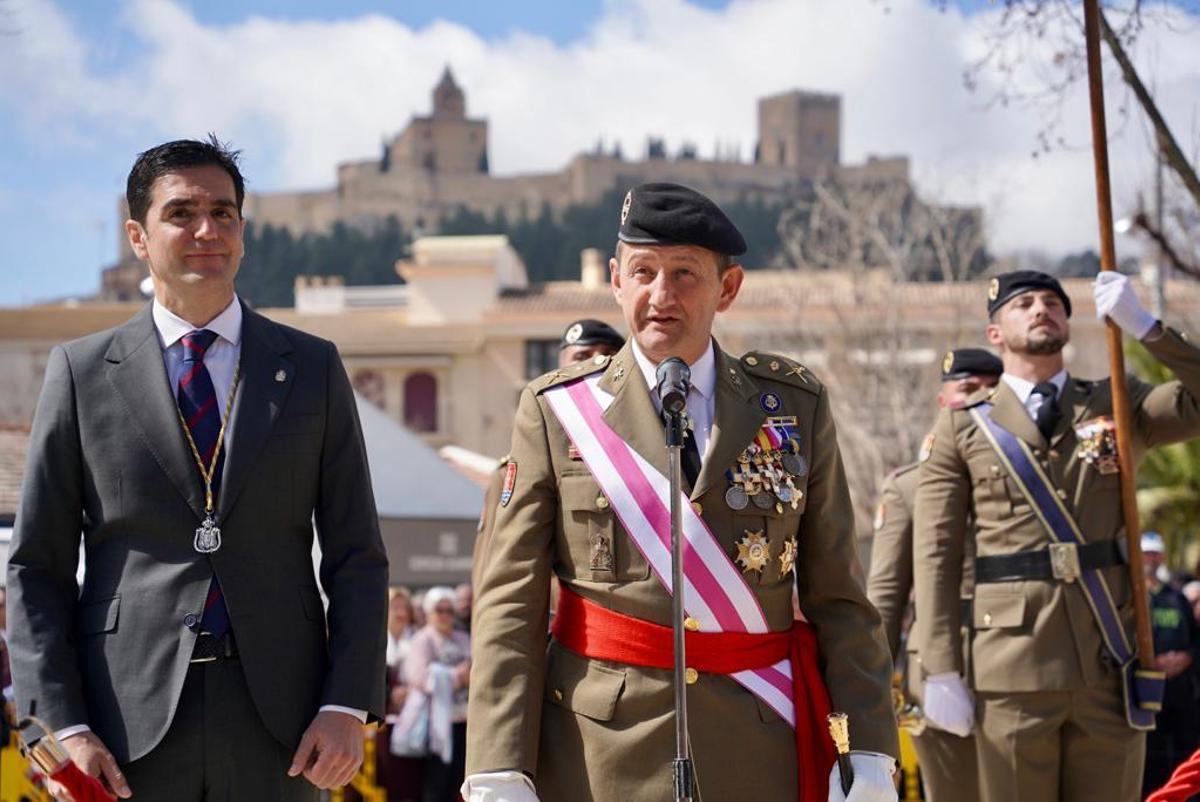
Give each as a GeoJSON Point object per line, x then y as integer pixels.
{"type": "Point", "coordinates": [193, 447]}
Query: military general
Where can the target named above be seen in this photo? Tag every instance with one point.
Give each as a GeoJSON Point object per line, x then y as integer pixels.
{"type": "Point", "coordinates": [591, 716]}
{"type": "Point", "coordinates": [947, 760]}
{"type": "Point", "coordinates": [1060, 705]}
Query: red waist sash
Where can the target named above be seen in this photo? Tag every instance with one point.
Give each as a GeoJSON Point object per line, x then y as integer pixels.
{"type": "Point", "coordinates": [602, 634]}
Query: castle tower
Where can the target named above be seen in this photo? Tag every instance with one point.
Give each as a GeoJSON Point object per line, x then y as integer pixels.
{"type": "Point", "coordinates": [448, 99]}
{"type": "Point", "coordinates": [446, 141]}
{"type": "Point", "coordinates": [800, 130]}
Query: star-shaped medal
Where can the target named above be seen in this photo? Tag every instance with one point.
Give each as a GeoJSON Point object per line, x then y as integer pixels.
{"type": "Point", "coordinates": [753, 551]}
{"type": "Point", "coordinates": [787, 560]}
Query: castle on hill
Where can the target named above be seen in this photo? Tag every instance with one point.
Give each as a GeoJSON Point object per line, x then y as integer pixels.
{"type": "Point", "coordinates": [439, 164]}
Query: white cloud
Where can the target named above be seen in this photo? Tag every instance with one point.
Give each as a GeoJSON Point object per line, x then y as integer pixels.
{"type": "Point", "coordinates": [300, 97]}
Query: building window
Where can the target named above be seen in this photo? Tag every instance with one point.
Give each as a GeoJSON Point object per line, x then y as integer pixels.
{"type": "Point", "coordinates": [541, 356]}
{"type": "Point", "coordinates": [370, 385]}
{"type": "Point", "coordinates": [420, 402]}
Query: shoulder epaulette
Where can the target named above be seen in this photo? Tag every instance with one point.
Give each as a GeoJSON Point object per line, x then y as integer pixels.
{"type": "Point", "coordinates": [573, 371]}
{"type": "Point", "coordinates": [780, 368]}
{"type": "Point", "coordinates": [979, 396]}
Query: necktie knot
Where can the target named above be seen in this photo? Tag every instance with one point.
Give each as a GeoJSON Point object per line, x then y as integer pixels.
{"type": "Point", "coordinates": [196, 344]}
{"type": "Point", "coordinates": [1046, 390]}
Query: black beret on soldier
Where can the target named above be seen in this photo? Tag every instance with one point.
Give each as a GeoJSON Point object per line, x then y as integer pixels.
{"type": "Point", "coordinates": [1006, 286]}
{"type": "Point", "coordinates": [669, 214]}
{"type": "Point", "coordinates": [591, 332]}
{"type": "Point", "coordinates": [963, 362]}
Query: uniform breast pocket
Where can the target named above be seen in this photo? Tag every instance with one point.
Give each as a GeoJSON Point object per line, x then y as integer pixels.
{"type": "Point", "coordinates": [990, 489]}
{"type": "Point", "coordinates": [597, 547]}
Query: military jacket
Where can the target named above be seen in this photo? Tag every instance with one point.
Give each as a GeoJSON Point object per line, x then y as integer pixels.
{"type": "Point", "coordinates": [1034, 635]}
{"type": "Point", "coordinates": [593, 729]}
{"type": "Point", "coordinates": [890, 581]}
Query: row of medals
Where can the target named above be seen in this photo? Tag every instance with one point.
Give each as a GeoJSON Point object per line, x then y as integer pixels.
{"type": "Point", "coordinates": [767, 477]}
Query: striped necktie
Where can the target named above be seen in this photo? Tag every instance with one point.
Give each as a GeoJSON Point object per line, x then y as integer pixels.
{"type": "Point", "coordinates": [201, 411]}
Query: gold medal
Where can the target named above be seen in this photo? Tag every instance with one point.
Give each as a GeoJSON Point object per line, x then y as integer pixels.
{"type": "Point", "coordinates": [753, 551]}
{"type": "Point", "coordinates": [787, 559]}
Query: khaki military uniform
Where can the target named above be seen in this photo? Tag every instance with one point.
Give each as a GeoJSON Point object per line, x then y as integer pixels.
{"type": "Point", "coordinates": [487, 519]}
{"type": "Point", "coordinates": [1049, 705]}
{"type": "Point", "coordinates": [589, 729]}
{"type": "Point", "coordinates": [947, 762]}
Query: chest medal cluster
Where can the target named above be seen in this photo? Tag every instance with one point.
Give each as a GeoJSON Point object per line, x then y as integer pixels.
{"type": "Point", "coordinates": [1098, 444]}
{"type": "Point", "coordinates": [766, 471]}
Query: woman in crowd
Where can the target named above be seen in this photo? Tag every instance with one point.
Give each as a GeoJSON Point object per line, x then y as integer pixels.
{"type": "Point", "coordinates": [439, 665]}
{"type": "Point", "coordinates": [401, 775]}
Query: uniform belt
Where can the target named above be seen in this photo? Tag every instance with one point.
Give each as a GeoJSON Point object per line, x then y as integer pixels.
{"type": "Point", "coordinates": [603, 634]}
{"type": "Point", "coordinates": [1061, 561]}
{"type": "Point", "coordinates": [211, 647]}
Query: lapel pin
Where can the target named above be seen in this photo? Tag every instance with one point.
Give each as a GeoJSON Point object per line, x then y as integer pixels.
{"type": "Point", "coordinates": [281, 375]}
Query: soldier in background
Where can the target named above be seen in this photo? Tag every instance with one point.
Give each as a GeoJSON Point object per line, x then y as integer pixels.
{"type": "Point", "coordinates": [1060, 708]}
{"type": "Point", "coordinates": [947, 761]}
{"type": "Point", "coordinates": [582, 340]}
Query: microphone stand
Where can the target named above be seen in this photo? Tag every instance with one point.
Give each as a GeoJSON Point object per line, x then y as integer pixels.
{"type": "Point", "coordinates": [682, 770]}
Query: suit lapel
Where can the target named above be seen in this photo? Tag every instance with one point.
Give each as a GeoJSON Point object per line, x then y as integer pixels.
{"type": "Point", "coordinates": [266, 378]}
{"type": "Point", "coordinates": [632, 414]}
{"type": "Point", "coordinates": [736, 419]}
{"type": "Point", "coordinates": [1009, 412]}
{"type": "Point", "coordinates": [139, 377]}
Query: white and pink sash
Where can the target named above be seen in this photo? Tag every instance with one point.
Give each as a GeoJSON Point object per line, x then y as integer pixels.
{"type": "Point", "coordinates": [715, 593]}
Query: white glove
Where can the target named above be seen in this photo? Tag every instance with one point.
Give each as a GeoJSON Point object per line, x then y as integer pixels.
{"type": "Point", "coordinates": [1116, 299]}
{"type": "Point", "coordinates": [498, 786]}
{"type": "Point", "coordinates": [948, 704]}
{"type": "Point", "coordinates": [872, 779]}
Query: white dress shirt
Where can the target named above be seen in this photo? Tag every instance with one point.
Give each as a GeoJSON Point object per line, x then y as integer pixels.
{"type": "Point", "coordinates": [1024, 390]}
{"type": "Point", "coordinates": [221, 359]}
{"type": "Point", "coordinates": [701, 397]}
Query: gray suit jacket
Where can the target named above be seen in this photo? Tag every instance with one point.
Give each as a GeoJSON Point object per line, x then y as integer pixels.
{"type": "Point", "coordinates": [108, 458]}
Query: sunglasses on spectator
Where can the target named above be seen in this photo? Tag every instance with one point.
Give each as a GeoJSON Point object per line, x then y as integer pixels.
{"type": "Point", "coordinates": [444, 610]}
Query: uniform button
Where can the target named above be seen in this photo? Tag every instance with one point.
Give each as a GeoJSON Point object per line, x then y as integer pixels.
{"type": "Point", "coordinates": [691, 624]}
{"type": "Point", "coordinates": [779, 507]}
{"type": "Point", "coordinates": [698, 507]}
{"type": "Point", "coordinates": [599, 359]}
{"type": "Point", "coordinates": [1053, 454]}
{"type": "Point", "coordinates": [191, 620]}
{"type": "Point", "coordinates": [1062, 494]}
{"type": "Point", "coordinates": [751, 361]}
{"type": "Point", "coordinates": [691, 676]}
{"type": "Point", "coordinates": [602, 502]}
{"type": "Point", "coordinates": [558, 695]}
{"type": "Point", "coordinates": [987, 619]}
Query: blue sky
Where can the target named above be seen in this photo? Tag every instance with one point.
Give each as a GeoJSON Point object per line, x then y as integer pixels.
{"type": "Point", "coordinates": [301, 85]}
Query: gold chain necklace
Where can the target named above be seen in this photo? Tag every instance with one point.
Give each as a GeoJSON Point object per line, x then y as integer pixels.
{"type": "Point", "coordinates": [208, 535]}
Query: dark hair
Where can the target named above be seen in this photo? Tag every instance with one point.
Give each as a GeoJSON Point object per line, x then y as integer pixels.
{"type": "Point", "coordinates": [724, 261]}
{"type": "Point", "coordinates": [179, 155]}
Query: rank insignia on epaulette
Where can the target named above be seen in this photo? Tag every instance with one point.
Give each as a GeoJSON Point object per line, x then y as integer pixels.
{"type": "Point", "coordinates": [510, 481]}
{"type": "Point", "coordinates": [753, 551]}
{"type": "Point", "coordinates": [926, 448]}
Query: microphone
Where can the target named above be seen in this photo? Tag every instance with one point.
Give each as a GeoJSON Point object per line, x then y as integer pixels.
{"type": "Point", "coordinates": [674, 377]}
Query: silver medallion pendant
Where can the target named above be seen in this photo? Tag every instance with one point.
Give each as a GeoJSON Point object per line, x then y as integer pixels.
{"type": "Point", "coordinates": [208, 536]}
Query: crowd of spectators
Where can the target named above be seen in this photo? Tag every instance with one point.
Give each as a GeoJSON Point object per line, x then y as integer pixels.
{"type": "Point", "coordinates": [422, 749]}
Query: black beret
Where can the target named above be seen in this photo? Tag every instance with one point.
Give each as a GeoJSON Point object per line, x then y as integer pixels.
{"type": "Point", "coordinates": [591, 332]}
{"type": "Point", "coordinates": [963, 362]}
{"type": "Point", "coordinates": [670, 214]}
{"type": "Point", "coordinates": [1006, 286]}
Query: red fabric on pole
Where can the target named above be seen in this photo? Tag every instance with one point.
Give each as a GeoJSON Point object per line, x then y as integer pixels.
{"type": "Point", "coordinates": [602, 634]}
{"type": "Point", "coordinates": [82, 787]}
{"type": "Point", "coordinates": [1184, 782]}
